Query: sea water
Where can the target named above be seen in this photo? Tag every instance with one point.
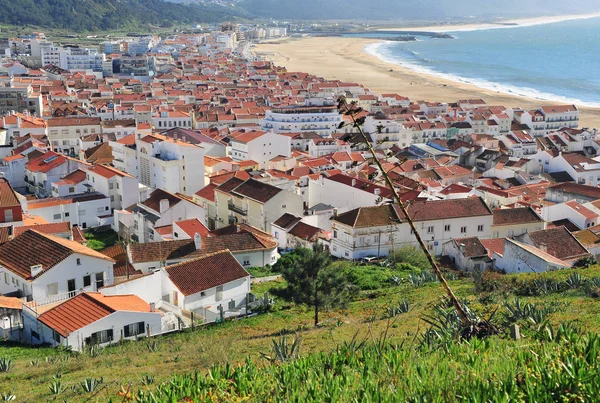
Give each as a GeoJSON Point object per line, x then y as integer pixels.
{"type": "Point", "coordinates": [553, 62]}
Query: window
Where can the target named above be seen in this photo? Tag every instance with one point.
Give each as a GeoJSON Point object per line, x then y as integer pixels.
{"type": "Point", "coordinates": [446, 228]}
{"type": "Point", "coordinates": [477, 266]}
{"type": "Point", "coordinates": [346, 254]}
{"type": "Point", "coordinates": [66, 214]}
{"type": "Point", "coordinates": [6, 278]}
{"type": "Point", "coordinates": [134, 329]}
{"type": "Point", "coordinates": [283, 206]}
{"type": "Point", "coordinates": [8, 215]}
{"type": "Point", "coordinates": [87, 280]}
{"type": "Point", "coordinates": [99, 280]}
{"type": "Point", "coordinates": [335, 233]}
{"type": "Point", "coordinates": [35, 335]}
{"type": "Point", "coordinates": [219, 295]}
{"type": "Point", "coordinates": [246, 260]}
{"type": "Point", "coordinates": [376, 238]}
{"type": "Point", "coordinates": [78, 262]}
{"type": "Point", "coordinates": [480, 228]}
{"type": "Point", "coordinates": [101, 337]}
{"type": "Point", "coordinates": [430, 230]}
{"type": "Point", "coordinates": [56, 336]}
{"type": "Point", "coordinates": [463, 230]}
{"type": "Point", "coordinates": [335, 248]}
{"type": "Point", "coordinates": [57, 216]}
{"type": "Point", "coordinates": [202, 294]}
{"type": "Point", "coordinates": [111, 185]}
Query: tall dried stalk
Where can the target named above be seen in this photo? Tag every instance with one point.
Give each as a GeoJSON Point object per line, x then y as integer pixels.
{"type": "Point", "coordinates": [351, 111]}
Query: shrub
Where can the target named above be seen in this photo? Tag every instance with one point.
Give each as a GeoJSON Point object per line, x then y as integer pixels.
{"type": "Point", "coordinates": [412, 256]}
{"type": "Point", "coordinates": [585, 262]}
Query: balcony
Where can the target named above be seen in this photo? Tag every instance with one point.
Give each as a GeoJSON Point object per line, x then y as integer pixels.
{"type": "Point", "coordinates": [237, 209]}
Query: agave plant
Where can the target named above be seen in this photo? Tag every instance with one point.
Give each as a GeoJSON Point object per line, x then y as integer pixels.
{"type": "Point", "coordinates": [147, 380]}
{"type": "Point", "coordinates": [402, 307]}
{"type": "Point", "coordinates": [282, 351]}
{"type": "Point", "coordinates": [6, 397]}
{"type": "Point", "coordinates": [574, 281]}
{"type": "Point", "coordinates": [91, 384]}
{"type": "Point", "coordinates": [55, 388]}
{"type": "Point", "coordinates": [6, 364]}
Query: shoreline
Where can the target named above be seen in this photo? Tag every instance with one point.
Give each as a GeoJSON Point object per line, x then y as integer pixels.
{"type": "Point", "coordinates": [500, 24]}
{"type": "Point", "coordinates": [347, 59]}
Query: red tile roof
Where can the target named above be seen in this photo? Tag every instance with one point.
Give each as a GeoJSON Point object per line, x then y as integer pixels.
{"type": "Point", "coordinates": [192, 226]}
{"type": "Point", "coordinates": [206, 272]}
{"type": "Point", "coordinates": [34, 248]}
{"type": "Point", "coordinates": [54, 228]}
{"type": "Point", "coordinates": [8, 198]}
{"type": "Point", "coordinates": [87, 308]}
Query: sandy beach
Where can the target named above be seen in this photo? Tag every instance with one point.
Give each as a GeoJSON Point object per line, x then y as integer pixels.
{"type": "Point", "coordinates": [493, 25]}
{"type": "Point", "coordinates": [346, 59]}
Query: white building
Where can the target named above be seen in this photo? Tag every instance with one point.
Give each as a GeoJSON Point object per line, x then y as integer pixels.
{"type": "Point", "coordinates": [172, 165]}
{"type": "Point", "coordinates": [41, 267]}
{"type": "Point", "coordinates": [323, 120]}
{"type": "Point", "coordinates": [219, 283]}
{"type": "Point", "coordinates": [120, 187]}
{"type": "Point", "coordinates": [259, 146]}
{"type": "Point", "coordinates": [92, 319]}
{"type": "Point", "coordinates": [382, 229]}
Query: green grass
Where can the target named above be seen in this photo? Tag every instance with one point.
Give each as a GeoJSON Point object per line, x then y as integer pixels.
{"type": "Point", "coordinates": [236, 341]}
{"type": "Point", "coordinates": [265, 271]}
{"type": "Point", "coordinates": [101, 240]}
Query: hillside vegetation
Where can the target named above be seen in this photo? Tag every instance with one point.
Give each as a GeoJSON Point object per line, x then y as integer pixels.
{"type": "Point", "coordinates": [96, 15]}
{"type": "Point", "coordinates": [396, 341]}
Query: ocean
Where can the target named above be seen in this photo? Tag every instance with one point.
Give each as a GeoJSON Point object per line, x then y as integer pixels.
{"type": "Point", "coordinates": [552, 62]}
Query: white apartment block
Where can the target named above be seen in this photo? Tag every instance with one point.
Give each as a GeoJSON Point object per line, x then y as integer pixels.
{"type": "Point", "coordinates": [73, 58]}
{"type": "Point", "coordinates": [323, 120]}
{"type": "Point", "coordinates": [169, 164]}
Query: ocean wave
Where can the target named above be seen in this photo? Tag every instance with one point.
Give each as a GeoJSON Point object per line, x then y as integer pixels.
{"type": "Point", "coordinates": [382, 52]}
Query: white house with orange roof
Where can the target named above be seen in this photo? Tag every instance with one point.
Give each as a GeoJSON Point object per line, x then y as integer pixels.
{"type": "Point", "coordinates": [259, 146]}
{"type": "Point", "coordinates": [45, 268]}
{"type": "Point", "coordinates": [50, 167]}
{"type": "Point", "coordinates": [573, 211]}
{"type": "Point", "coordinates": [92, 319]}
{"type": "Point", "coordinates": [71, 184]}
{"type": "Point", "coordinates": [120, 187]}
{"type": "Point", "coordinates": [125, 154]}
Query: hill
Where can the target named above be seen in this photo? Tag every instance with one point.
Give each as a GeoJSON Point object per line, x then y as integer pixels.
{"type": "Point", "coordinates": [361, 352]}
{"type": "Point", "coordinates": [96, 15]}
{"type": "Point", "coordinates": [411, 10]}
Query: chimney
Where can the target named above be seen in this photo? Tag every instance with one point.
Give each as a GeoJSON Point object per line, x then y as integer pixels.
{"type": "Point", "coordinates": [197, 241]}
{"type": "Point", "coordinates": [461, 247]}
{"type": "Point", "coordinates": [353, 182]}
{"type": "Point", "coordinates": [377, 192]}
{"type": "Point", "coordinates": [543, 247]}
{"type": "Point", "coordinates": [164, 206]}
{"type": "Point", "coordinates": [152, 307]}
{"type": "Point", "coordinates": [238, 228]}
{"type": "Point", "coordinates": [36, 269]}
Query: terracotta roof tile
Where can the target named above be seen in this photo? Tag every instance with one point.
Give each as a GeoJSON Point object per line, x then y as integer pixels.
{"type": "Point", "coordinates": [87, 308]}
{"type": "Point", "coordinates": [8, 198]}
{"type": "Point", "coordinates": [206, 272]}
{"type": "Point", "coordinates": [34, 248]}
{"type": "Point", "coordinates": [515, 216]}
